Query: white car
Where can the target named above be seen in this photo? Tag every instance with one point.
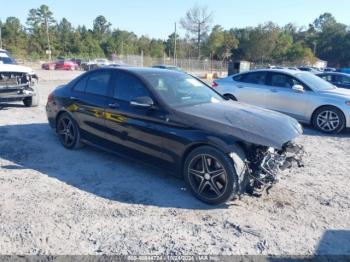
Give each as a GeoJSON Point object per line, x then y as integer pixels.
{"type": "Point", "coordinates": [17, 83]}
{"type": "Point", "coordinates": [302, 95]}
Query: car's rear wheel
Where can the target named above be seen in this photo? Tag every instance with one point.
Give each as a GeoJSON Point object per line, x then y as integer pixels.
{"type": "Point", "coordinates": [68, 131]}
{"type": "Point", "coordinates": [329, 119]}
{"type": "Point", "coordinates": [212, 175]}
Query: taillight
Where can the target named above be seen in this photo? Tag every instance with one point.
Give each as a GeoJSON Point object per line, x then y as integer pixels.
{"type": "Point", "coordinates": [50, 98]}
{"type": "Point", "coordinates": [214, 84]}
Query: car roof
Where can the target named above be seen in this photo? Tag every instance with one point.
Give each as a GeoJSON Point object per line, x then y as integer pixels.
{"type": "Point", "coordinates": [141, 71]}
{"type": "Point", "coordinates": [163, 65]}
{"type": "Point", "coordinates": [284, 70]}
{"type": "Point", "coordinates": [334, 73]}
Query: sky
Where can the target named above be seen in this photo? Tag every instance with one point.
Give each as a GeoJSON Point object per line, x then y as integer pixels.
{"type": "Point", "coordinates": [156, 18]}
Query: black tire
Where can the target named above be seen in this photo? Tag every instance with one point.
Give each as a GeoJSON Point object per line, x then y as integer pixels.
{"type": "Point", "coordinates": [69, 139]}
{"type": "Point", "coordinates": [230, 96]}
{"type": "Point", "coordinates": [32, 101]}
{"type": "Point", "coordinates": [329, 119]}
{"type": "Point", "coordinates": [211, 185]}
{"type": "Point", "coordinates": [28, 101]}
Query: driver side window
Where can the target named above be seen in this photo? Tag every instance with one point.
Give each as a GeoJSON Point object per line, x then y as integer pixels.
{"type": "Point", "coordinates": [283, 80]}
{"type": "Point", "coordinates": [127, 87]}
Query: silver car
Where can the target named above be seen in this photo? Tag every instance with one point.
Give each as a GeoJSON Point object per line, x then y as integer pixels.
{"type": "Point", "coordinates": [302, 95]}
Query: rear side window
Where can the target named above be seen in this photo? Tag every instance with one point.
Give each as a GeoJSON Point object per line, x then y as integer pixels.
{"type": "Point", "coordinates": [97, 83]}
{"type": "Point", "coordinates": [128, 87]}
{"type": "Point", "coordinates": [327, 77]}
{"type": "Point", "coordinates": [342, 80]}
{"type": "Point", "coordinates": [258, 78]}
{"type": "Point", "coordinates": [238, 78]}
{"type": "Point", "coordinates": [80, 86]}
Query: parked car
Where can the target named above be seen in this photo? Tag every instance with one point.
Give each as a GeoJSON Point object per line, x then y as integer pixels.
{"type": "Point", "coordinates": [169, 67]}
{"type": "Point", "coordinates": [97, 63]}
{"type": "Point", "coordinates": [60, 64]}
{"type": "Point", "coordinates": [309, 69]}
{"type": "Point", "coordinates": [329, 69]}
{"type": "Point", "coordinates": [77, 61]}
{"type": "Point", "coordinates": [5, 58]}
{"type": "Point", "coordinates": [301, 95]}
{"type": "Point", "coordinates": [174, 121]}
{"type": "Point", "coordinates": [17, 83]}
{"type": "Point", "coordinates": [338, 79]}
{"type": "Point", "coordinates": [66, 65]}
{"type": "Point", "coordinates": [345, 70]}
{"type": "Point", "coordinates": [49, 65]}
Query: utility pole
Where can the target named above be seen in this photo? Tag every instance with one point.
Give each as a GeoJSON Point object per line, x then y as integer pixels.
{"type": "Point", "coordinates": [315, 45]}
{"type": "Point", "coordinates": [0, 38]}
{"type": "Point", "coordinates": [175, 46]}
{"type": "Point", "coordinates": [142, 58]}
{"type": "Point", "coordinates": [48, 38]}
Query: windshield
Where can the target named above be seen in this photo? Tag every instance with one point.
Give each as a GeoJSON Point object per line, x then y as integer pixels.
{"type": "Point", "coordinates": [6, 59]}
{"type": "Point", "coordinates": [179, 90]}
{"type": "Point", "coordinates": [315, 82]}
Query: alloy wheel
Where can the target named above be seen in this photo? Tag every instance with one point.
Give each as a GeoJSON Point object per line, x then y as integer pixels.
{"type": "Point", "coordinates": [65, 130]}
{"type": "Point", "coordinates": [207, 176]}
{"type": "Point", "coordinates": [328, 121]}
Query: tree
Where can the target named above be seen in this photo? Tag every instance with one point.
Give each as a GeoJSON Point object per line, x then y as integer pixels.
{"type": "Point", "coordinates": [197, 22]}
{"type": "Point", "coordinates": [66, 35]}
{"type": "Point", "coordinates": [101, 27]}
{"type": "Point", "coordinates": [262, 41]}
{"type": "Point", "coordinates": [40, 22]}
{"type": "Point", "coordinates": [283, 44]}
{"type": "Point", "coordinates": [14, 37]}
{"type": "Point", "coordinates": [220, 43]}
{"type": "Point", "coordinates": [330, 37]}
{"type": "Point", "coordinates": [215, 40]}
{"type": "Point", "coordinates": [156, 48]}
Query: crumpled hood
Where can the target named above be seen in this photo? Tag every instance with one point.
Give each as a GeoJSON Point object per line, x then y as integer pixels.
{"type": "Point", "coordinates": [245, 122]}
{"type": "Point", "coordinates": [16, 68]}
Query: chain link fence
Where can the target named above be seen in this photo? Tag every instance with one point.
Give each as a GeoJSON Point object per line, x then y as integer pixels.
{"type": "Point", "coordinates": [189, 65]}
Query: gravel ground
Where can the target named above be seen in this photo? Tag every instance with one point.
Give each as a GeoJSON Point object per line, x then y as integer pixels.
{"type": "Point", "coordinates": [56, 201]}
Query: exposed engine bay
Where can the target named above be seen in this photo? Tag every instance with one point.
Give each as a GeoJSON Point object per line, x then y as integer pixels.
{"type": "Point", "coordinates": [264, 166]}
{"type": "Point", "coordinates": [16, 85]}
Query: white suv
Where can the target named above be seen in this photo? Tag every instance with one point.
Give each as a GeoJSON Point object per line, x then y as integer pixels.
{"type": "Point", "coordinates": [17, 83]}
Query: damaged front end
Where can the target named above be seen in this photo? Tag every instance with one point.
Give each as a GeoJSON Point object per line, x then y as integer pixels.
{"type": "Point", "coordinates": [16, 85]}
{"type": "Point", "coordinates": [264, 163]}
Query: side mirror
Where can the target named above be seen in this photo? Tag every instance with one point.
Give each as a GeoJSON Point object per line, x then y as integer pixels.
{"type": "Point", "coordinates": [298, 88]}
{"type": "Point", "coordinates": [142, 101]}
{"type": "Point", "coordinates": [229, 97]}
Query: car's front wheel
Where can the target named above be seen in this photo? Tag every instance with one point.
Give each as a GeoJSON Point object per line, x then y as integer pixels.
{"type": "Point", "coordinates": [68, 131]}
{"type": "Point", "coordinates": [33, 100]}
{"type": "Point", "coordinates": [213, 176]}
{"type": "Point", "coordinates": [329, 119]}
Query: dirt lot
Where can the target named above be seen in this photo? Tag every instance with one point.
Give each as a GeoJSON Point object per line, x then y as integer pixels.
{"type": "Point", "coordinates": [56, 201]}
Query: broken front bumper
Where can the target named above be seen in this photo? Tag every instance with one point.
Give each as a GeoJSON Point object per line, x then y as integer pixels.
{"type": "Point", "coordinates": [264, 170]}
{"type": "Point", "coordinates": [13, 93]}
{"type": "Point", "coordinates": [16, 86]}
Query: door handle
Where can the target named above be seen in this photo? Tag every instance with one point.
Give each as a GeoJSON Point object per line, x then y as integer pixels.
{"type": "Point", "coordinates": [113, 105]}
{"type": "Point", "coordinates": [73, 98]}
{"type": "Point", "coordinates": [239, 86]}
{"type": "Point", "coordinates": [274, 90]}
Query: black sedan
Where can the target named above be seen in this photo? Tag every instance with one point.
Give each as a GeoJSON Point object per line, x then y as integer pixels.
{"type": "Point", "coordinates": [222, 148]}
{"type": "Point", "coordinates": [338, 79]}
